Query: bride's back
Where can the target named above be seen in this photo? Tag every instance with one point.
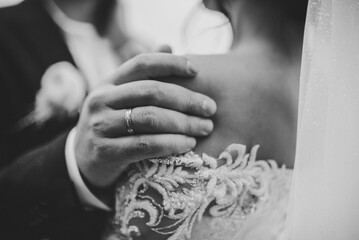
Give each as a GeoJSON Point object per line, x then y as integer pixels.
{"type": "Point", "coordinates": [257, 103]}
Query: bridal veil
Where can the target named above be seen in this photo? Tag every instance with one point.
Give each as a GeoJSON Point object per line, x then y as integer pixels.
{"type": "Point", "coordinates": [325, 195]}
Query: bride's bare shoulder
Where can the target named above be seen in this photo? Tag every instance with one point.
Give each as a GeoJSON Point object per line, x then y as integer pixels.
{"type": "Point", "coordinates": [255, 103]}
{"type": "Point", "coordinates": [229, 72]}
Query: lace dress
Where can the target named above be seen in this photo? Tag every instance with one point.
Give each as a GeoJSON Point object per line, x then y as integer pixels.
{"type": "Point", "coordinates": [190, 196]}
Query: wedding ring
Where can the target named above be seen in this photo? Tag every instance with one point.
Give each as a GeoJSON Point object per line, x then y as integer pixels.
{"type": "Point", "coordinates": [129, 123]}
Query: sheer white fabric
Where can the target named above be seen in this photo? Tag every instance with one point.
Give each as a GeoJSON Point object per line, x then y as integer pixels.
{"type": "Point", "coordinates": [326, 180]}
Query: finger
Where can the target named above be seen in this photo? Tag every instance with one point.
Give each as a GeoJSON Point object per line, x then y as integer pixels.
{"type": "Point", "coordinates": [136, 148]}
{"type": "Point", "coordinates": [163, 49]}
{"type": "Point", "coordinates": [152, 120]}
{"type": "Point", "coordinates": [153, 66]}
{"type": "Point", "coordinates": [131, 49]}
{"type": "Point", "coordinates": [160, 120]}
{"type": "Point", "coordinates": [164, 95]}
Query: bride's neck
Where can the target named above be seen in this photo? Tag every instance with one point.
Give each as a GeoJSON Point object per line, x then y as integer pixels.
{"type": "Point", "coordinates": [264, 30]}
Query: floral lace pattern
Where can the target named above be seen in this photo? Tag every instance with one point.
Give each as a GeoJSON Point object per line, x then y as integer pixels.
{"type": "Point", "coordinates": [170, 194]}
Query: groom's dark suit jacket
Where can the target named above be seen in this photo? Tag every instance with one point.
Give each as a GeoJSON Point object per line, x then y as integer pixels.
{"type": "Point", "coordinates": [37, 198]}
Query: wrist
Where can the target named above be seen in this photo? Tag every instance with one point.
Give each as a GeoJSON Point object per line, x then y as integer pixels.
{"type": "Point", "coordinates": [104, 194]}
{"type": "Point", "coordinates": [88, 198]}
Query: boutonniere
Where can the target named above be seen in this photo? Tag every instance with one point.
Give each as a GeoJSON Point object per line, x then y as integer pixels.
{"type": "Point", "coordinates": [61, 95]}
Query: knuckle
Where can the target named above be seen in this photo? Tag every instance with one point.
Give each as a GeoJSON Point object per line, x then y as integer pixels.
{"type": "Point", "coordinates": [174, 123]}
{"type": "Point", "coordinates": [150, 119]}
{"type": "Point", "coordinates": [100, 150]}
{"type": "Point", "coordinates": [189, 102]}
{"type": "Point", "coordinates": [172, 146]}
{"type": "Point", "coordinates": [188, 124]}
{"type": "Point", "coordinates": [175, 146]}
{"type": "Point", "coordinates": [152, 91]}
{"type": "Point", "coordinates": [141, 62]}
{"type": "Point", "coordinates": [98, 125]}
{"type": "Point", "coordinates": [144, 145]}
{"type": "Point", "coordinates": [153, 88]}
{"type": "Point", "coordinates": [95, 101]}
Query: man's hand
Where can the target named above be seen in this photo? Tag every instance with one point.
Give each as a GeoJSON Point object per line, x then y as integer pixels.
{"type": "Point", "coordinates": [165, 118]}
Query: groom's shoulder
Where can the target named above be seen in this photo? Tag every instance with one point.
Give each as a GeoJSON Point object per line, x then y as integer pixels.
{"type": "Point", "coordinates": [21, 12]}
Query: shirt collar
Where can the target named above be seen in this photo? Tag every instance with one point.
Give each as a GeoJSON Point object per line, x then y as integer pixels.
{"type": "Point", "coordinates": [68, 25]}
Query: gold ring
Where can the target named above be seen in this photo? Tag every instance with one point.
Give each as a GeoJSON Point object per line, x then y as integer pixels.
{"type": "Point", "coordinates": [129, 123]}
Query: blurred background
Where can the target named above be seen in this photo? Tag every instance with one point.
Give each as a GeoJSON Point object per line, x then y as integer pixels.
{"type": "Point", "coordinates": [185, 25]}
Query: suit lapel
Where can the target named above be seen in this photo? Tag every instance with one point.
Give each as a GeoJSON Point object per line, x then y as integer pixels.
{"type": "Point", "coordinates": [43, 35]}
{"type": "Point", "coordinates": [39, 44]}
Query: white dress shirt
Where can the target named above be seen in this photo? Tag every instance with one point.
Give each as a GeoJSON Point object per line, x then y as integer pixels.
{"type": "Point", "coordinates": [96, 59]}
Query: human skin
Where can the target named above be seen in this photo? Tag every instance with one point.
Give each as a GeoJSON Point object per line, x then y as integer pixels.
{"type": "Point", "coordinates": [166, 117]}
{"type": "Point", "coordinates": [256, 103]}
{"type": "Point", "coordinates": [256, 89]}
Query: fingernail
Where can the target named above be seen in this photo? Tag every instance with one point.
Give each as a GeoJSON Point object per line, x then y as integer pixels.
{"type": "Point", "coordinates": [191, 143]}
{"type": "Point", "coordinates": [207, 127]}
{"type": "Point", "coordinates": [209, 107]}
{"type": "Point", "coordinates": [191, 69]}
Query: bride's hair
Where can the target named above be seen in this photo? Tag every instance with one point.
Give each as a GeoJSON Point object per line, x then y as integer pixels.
{"type": "Point", "coordinates": [282, 20]}
{"type": "Point", "coordinates": [288, 10]}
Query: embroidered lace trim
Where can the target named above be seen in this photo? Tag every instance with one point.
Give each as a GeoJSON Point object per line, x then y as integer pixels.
{"type": "Point", "coordinates": [185, 187]}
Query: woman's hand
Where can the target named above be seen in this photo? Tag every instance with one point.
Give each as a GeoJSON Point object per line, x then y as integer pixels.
{"type": "Point", "coordinates": [165, 118]}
